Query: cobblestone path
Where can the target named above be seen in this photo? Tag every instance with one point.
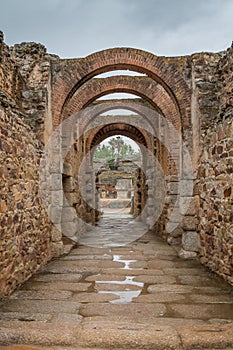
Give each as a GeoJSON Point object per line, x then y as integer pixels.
{"type": "Point", "coordinates": [136, 296]}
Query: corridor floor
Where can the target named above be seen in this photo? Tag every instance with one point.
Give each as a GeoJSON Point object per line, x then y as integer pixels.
{"type": "Point", "coordinates": [136, 296]}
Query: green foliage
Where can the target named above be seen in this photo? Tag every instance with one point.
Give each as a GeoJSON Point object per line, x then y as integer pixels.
{"type": "Point", "coordinates": [111, 164]}
{"type": "Point", "coordinates": [116, 148]}
{"type": "Point", "coordinates": [103, 151]}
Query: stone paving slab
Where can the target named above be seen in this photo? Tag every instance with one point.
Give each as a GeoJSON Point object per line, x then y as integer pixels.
{"type": "Point", "coordinates": [156, 321]}
{"type": "Point", "coordinates": [28, 316]}
{"type": "Point", "coordinates": [158, 264]}
{"type": "Point", "coordinates": [87, 257]}
{"type": "Point", "coordinates": [80, 265]}
{"type": "Point", "coordinates": [134, 336]}
{"type": "Point", "coordinates": [179, 288]}
{"type": "Point", "coordinates": [203, 311]}
{"type": "Point", "coordinates": [85, 250]}
{"type": "Point", "coordinates": [94, 297]}
{"type": "Point", "coordinates": [38, 333]}
{"type": "Point", "coordinates": [209, 299]}
{"type": "Point", "coordinates": [213, 290]}
{"type": "Point", "coordinates": [191, 271]}
{"type": "Point", "coordinates": [132, 272]}
{"type": "Point", "coordinates": [54, 286]}
{"type": "Point", "coordinates": [101, 277]}
{"type": "Point", "coordinates": [176, 263]}
{"type": "Point", "coordinates": [198, 280]}
{"type": "Point", "coordinates": [72, 268]}
{"type": "Point", "coordinates": [169, 288]}
{"type": "Point", "coordinates": [135, 311]}
{"type": "Point", "coordinates": [43, 306]}
{"type": "Point", "coordinates": [115, 287]}
{"type": "Point", "coordinates": [49, 277]}
{"type": "Point", "coordinates": [150, 279]}
{"type": "Point", "coordinates": [61, 318]}
{"type": "Point", "coordinates": [160, 298]}
{"type": "Point", "coordinates": [41, 295]}
{"type": "Point", "coordinates": [207, 337]}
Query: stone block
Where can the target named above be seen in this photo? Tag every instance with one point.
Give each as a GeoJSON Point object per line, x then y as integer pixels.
{"type": "Point", "coordinates": [177, 232]}
{"type": "Point", "coordinates": [55, 182]}
{"type": "Point", "coordinates": [55, 214]}
{"type": "Point", "coordinates": [171, 199]}
{"type": "Point", "coordinates": [187, 166]}
{"type": "Point", "coordinates": [189, 205]}
{"type": "Point", "coordinates": [186, 188]}
{"type": "Point", "coordinates": [187, 254]}
{"type": "Point", "coordinates": [171, 226]}
{"type": "Point", "coordinates": [174, 215]}
{"type": "Point", "coordinates": [55, 167]}
{"type": "Point", "coordinates": [189, 223]}
{"type": "Point", "coordinates": [68, 214]}
{"type": "Point", "coordinates": [174, 240]}
{"type": "Point", "coordinates": [191, 241]}
{"type": "Point", "coordinates": [69, 229]}
{"type": "Point", "coordinates": [173, 188]}
{"type": "Point", "coordinates": [57, 198]}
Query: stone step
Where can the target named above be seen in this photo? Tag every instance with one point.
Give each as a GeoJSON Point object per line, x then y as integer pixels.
{"type": "Point", "coordinates": [115, 335]}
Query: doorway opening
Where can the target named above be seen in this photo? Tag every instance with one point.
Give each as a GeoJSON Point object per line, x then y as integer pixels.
{"type": "Point", "coordinates": [117, 162]}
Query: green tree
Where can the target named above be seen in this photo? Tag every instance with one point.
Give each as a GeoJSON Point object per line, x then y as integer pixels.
{"type": "Point", "coordinates": [116, 144]}
{"type": "Point", "coordinates": [116, 148]}
{"type": "Point", "coordinates": [103, 151]}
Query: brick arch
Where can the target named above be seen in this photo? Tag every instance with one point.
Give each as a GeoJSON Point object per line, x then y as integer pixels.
{"type": "Point", "coordinates": [138, 106]}
{"type": "Point", "coordinates": [140, 86]}
{"type": "Point", "coordinates": [101, 133]}
{"type": "Point", "coordinates": [75, 72]}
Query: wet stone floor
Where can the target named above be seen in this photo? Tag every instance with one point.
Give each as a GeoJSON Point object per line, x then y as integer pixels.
{"type": "Point", "coordinates": [143, 282]}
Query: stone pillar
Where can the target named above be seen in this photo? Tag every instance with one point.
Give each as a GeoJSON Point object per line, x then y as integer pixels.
{"type": "Point", "coordinates": [173, 227]}
{"type": "Point", "coordinates": [55, 192]}
{"type": "Point", "coordinates": [188, 208]}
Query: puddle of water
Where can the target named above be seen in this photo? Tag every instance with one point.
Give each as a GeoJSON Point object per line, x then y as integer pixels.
{"type": "Point", "coordinates": [124, 296]}
{"type": "Point", "coordinates": [128, 280]}
{"type": "Point", "coordinates": [126, 262]}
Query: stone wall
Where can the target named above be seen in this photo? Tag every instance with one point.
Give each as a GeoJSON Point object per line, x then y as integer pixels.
{"type": "Point", "coordinates": [216, 198]}
{"type": "Point", "coordinates": [11, 82]}
{"type": "Point", "coordinates": [25, 243]}
{"type": "Point", "coordinates": [215, 183]}
{"type": "Point", "coordinates": [33, 63]}
{"type": "Point", "coordinates": [25, 230]}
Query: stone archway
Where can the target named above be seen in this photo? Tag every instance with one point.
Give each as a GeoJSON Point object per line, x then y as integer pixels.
{"type": "Point", "coordinates": [164, 90]}
{"type": "Point", "coordinates": [74, 73]}
{"type": "Point", "coordinates": [145, 88]}
{"type": "Point", "coordinates": [143, 139]}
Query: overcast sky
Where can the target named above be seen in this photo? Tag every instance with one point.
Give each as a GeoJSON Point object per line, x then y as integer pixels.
{"type": "Point", "coordinates": [76, 28]}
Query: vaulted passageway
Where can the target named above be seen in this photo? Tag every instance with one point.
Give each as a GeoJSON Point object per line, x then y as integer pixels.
{"type": "Point", "coordinates": [179, 110]}
{"type": "Point", "coordinates": [157, 124]}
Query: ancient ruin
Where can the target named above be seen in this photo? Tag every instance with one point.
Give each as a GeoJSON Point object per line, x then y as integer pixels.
{"type": "Point", "coordinates": [52, 117]}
